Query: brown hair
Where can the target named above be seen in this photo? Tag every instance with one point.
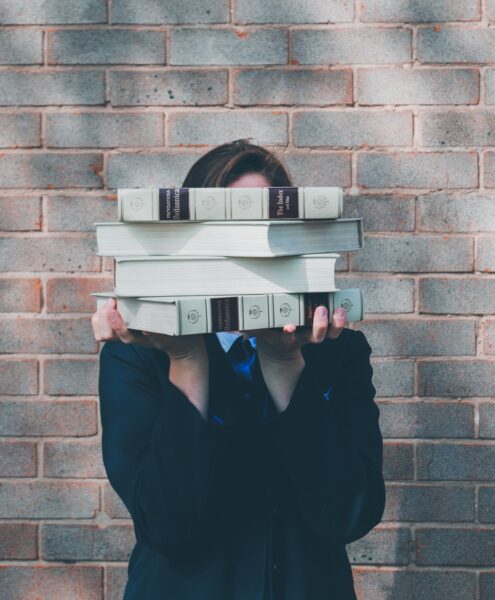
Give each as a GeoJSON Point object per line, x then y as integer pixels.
{"type": "Point", "coordinates": [222, 165]}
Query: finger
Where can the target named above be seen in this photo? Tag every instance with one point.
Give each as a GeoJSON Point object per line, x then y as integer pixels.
{"type": "Point", "coordinates": [320, 325]}
{"type": "Point", "coordinates": [289, 328]}
{"type": "Point", "coordinates": [119, 327]}
{"type": "Point", "coordinates": [338, 322]}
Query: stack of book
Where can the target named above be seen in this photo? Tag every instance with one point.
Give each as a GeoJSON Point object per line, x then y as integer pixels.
{"type": "Point", "coordinates": [200, 260]}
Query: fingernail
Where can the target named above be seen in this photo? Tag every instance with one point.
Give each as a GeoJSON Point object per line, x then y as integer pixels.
{"type": "Point", "coordinates": [341, 312]}
{"type": "Point", "coordinates": [109, 301]}
{"type": "Point", "coordinates": [322, 311]}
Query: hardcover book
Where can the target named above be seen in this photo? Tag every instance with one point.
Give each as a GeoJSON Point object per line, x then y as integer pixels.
{"type": "Point", "coordinates": [194, 204]}
{"type": "Point", "coordinates": [229, 238]}
{"type": "Point", "coordinates": [205, 314]}
{"type": "Point", "coordinates": [218, 275]}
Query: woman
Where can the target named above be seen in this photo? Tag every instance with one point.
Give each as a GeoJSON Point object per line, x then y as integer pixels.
{"type": "Point", "coordinates": [246, 473]}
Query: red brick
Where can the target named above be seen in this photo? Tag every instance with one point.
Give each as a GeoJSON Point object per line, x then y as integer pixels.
{"type": "Point", "coordinates": [20, 214]}
{"type": "Point", "coordinates": [112, 504]}
{"type": "Point", "coordinates": [42, 582]}
{"type": "Point", "coordinates": [18, 376]}
{"type": "Point", "coordinates": [73, 294]}
{"type": "Point", "coordinates": [20, 295]}
{"type": "Point", "coordinates": [18, 541]}
{"type": "Point", "coordinates": [71, 376]}
{"type": "Point", "coordinates": [116, 580]}
{"type": "Point", "coordinates": [78, 459]}
{"type": "Point", "coordinates": [17, 459]}
{"type": "Point", "coordinates": [488, 332]}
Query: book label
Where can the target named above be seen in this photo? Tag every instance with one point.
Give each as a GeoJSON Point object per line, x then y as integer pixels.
{"type": "Point", "coordinates": [283, 203]}
{"type": "Point", "coordinates": [286, 309]}
{"type": "Point", "coordinates": [225, 314]}
{"type": "Point", "coordinates": [255, 312]}
{"type": "Point", "coordinates": [173, 204]}
{"type": "Point", "coordinates": [311, 301]}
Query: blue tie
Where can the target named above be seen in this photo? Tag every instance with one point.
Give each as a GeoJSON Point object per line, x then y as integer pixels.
{"type": "Point", "coordinates": [242, 356]}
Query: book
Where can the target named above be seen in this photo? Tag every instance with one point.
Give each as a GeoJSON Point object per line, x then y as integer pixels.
{"type": "Point", "coordinates": [229, 238]}
{"type": "Point", "coordinates": [193, 204]}
{"type": "Point", "coordinates": [205, 314]}
{"type": "Point", "coordinates": [218, 275]}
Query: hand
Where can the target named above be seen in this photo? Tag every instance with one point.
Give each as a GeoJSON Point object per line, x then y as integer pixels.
{"type": "Point", "coordinates": [285, 344]}
{"type": "Point", "coordinates": [108, 325]}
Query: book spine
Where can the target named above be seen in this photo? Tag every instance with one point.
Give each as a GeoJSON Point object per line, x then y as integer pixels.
{"type": "Point", "coordinates": [198, 204]}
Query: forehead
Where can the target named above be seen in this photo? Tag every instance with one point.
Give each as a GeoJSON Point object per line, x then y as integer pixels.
{"type": "Point", "coordinates": [251, 180]}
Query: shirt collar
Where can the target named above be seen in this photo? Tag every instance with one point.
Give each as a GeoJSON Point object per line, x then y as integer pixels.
{"type": "Point", "coordinates": [227, 338]}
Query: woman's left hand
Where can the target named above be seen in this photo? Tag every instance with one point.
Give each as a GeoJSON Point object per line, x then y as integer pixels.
{"type": "Point", "coordinates": [285, 344]}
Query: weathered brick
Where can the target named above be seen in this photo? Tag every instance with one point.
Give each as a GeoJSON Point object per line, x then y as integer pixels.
{"type": "Point", "coordinates": [455, 45]}
{"type": "Point", "coordinates": [457, 295]}
{"type": "Point", "coordinates": [100, 130]}
{"type": "Point", "coordinates": [18, 377]}
{"type": "Point", "coordinates": [168, 88]}
{"type": "Point", "coordinates": [86, 542]}
{"type": "Point", "coordinates": [418, 170]}
{"type": "Point", "coordinates": [488, 332]}
{"type": "Point", "coordinates": [106, 46]}
{"type": "Point", "coordinates": [144, 170]}
{"type": "Point", "coordinates": [21, 582]}
{"type": "Point", "coordinates": [425, 337]}
{"type": "Point", "coordinates": [17, 459]}
{"type": "Point", "coordinates": [68, 294]}
{"type": "Point", "coordinates": [18, 541]}
{"type": "Point", "coordinates": [382, 295]}
{"type": "Point", "coordinates": [429, 503]}
{"type": "Point", "coordinates": [490, 86]}
{"type": "Point", "coordinates": [420, 11]}
{"type": "Point", "coordinates": [51, 170]}
{"type": "Point", "coordinates": [116, 580]}
{"type": "Point", "coordinates": [41, 12]}
{"type": "Point", "coordinates": [42, 88]}
{"type": "Point", "coordinates": [487, 585]}
{"type": "Point", "coordinates": [314, 11]}
{"type": "Point", "coordinates": [486, 504]}
{"type": "Point", "coordinates": [455, 128]}
{"type": "Point", "coordinates": [466, 547]}
{"type": "Point", "coordinates": [426, 420]}
{"type": "Point", "coordinates": [345, 128]}
{"type": "Point", "coordinates": [304, 86]}
{"type": "Point", "coordinates": [71, 376]}
{"type": "Point", "coordinates": [46, 336]}
{"type": "Point", "coordinates": [229, 47]}
{"type": "Point", "coordinates": [171, 12]}
{"type": "Point", "coordinates": [19, 130]}
{"type": "Point", "coordinates": [390, 212]}
{"type": "Point", "coordinates": [415, 253]}
{"type": "Point", "coordinates": [350, 45]}
{"type": "Point", "coordinates": [485, 260]}
{"type": "Point", "coordinates": [460, 212]}
{"type": "Point", "coordinates": [398, 461]}
{"type": "Point", "coordinates": [388, 584]}
{"type": "Point", "coordinates": [49, 417]}
{"type": "Point", "coordinates": [393, 85]}
{"type": "Point", "coordinates": [456, 462]}
{"type": "Point", "coordinates": [393, 377]}
{"type": "Point", "coordinates": [48, 500]}
{"type": "Point", "coordinates": [489, 169]}
{"type": "Point", "coordinates": [460, 378]}
{"type": "Point", "coordinates": [20, 295]}
{"type": "Point", "coordinates": [215, 127]}
{"type": "Point", "coordinates": [487, 420]}
{"type": "Point", "coordinates": [490, 6]}
{"type": "Point", "coordinates": [385, 545]}
{"type": "Point", "coordinates": [79, 459]}
{"type": "Point", "coordinates": [20, 213]}
{"type": "Point", "coordinates": [79, 213]}
{"type": "Point", "coordinates": [112, 504]}
{"type": "Point", "coordinates": [21, 46]}
{"type": "Point", "coordinates": [318, 168]}
{"type": "Point", "coordinates": [68, 254]}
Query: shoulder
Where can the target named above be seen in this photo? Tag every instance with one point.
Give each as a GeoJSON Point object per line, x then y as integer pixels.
{"type": "Point", "coordinates": [131, 355]}
{"type": "Point", "coordinates": [350, 344]}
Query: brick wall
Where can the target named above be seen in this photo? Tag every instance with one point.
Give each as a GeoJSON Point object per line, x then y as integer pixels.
{"type": "Point", "coordinates": [394, 101]}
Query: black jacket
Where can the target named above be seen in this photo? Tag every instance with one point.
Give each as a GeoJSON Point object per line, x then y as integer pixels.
{"type": "Point", "coordinates": [212, 503]}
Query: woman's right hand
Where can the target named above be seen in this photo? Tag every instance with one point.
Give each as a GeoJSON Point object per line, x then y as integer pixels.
{"type": "Point", "coordinates": [108, 325]}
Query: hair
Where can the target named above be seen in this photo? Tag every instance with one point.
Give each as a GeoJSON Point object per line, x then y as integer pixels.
{"type": "Point", "coordinates": [222, 165]}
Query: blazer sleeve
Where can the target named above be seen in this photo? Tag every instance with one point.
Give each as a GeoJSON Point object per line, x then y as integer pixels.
{"type": "Point", "coordinates": [329, 441]}
{"type": "Point", "coordinates": [161, 456]}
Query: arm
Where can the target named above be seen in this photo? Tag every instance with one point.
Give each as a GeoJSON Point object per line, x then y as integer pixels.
{"type": "Point", "coordinates": [332, 449]}
{"type": "Point", "coordinates": [163, 458]}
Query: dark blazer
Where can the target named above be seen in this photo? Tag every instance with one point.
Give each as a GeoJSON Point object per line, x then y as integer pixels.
{"type": "Point", "coordinates": [214, 506]}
